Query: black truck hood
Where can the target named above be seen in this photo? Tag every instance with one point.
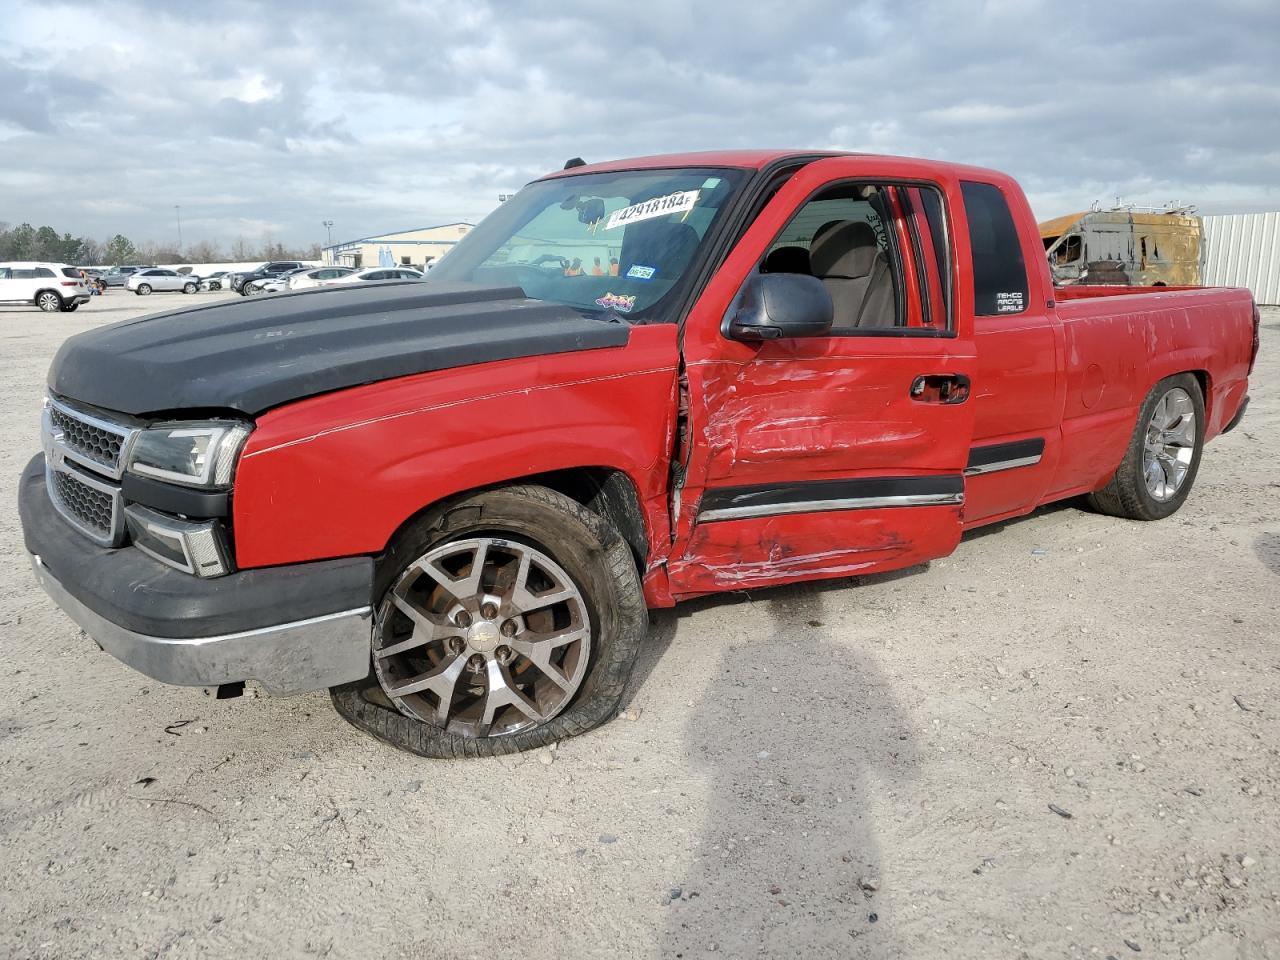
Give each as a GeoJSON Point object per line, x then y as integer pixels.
{"type": "Point", "coordinates": [254, 354]}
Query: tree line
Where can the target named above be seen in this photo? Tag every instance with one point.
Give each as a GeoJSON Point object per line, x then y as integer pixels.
{"type": "Point", "coordinates": [25, 242]}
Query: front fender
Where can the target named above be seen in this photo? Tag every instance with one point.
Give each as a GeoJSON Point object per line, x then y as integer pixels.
{"type": "Point", "coordinates": [337, 475]}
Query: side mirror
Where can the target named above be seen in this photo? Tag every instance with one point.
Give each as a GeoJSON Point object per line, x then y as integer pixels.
{"type": "Point", "coordinates": [778, 305]}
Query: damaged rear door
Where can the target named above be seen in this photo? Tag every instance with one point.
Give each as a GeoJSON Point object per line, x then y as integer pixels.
{"type": "Point", "coordinates": [843, 453]}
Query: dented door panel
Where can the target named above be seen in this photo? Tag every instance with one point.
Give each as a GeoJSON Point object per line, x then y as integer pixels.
{"type": "Point", "coordinates": [775, 416]}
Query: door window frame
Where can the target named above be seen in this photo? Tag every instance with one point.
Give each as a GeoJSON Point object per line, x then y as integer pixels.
{"type": "Point", "coordinates": [951, 331]}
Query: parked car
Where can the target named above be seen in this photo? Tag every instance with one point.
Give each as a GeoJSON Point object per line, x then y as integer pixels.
{"type": "Point", "coordinates": [214, 280]}
{"type": "Point", "coordinates": [160, 279]}
{"type": "Point", "coordinates": [272, 269]}
{"type": "Point", "coordinates": [316, 276]}
{"type": "Point", "coordinates": [873, 361]}
{"type": "Point", "coordinates": [49, 286]}
{"type": "Point", "coordinates": [376, 273]}
{"type": "Point", "coordinates": [274, 284]}
{"type": "Point", "coordinates": [116, 276]}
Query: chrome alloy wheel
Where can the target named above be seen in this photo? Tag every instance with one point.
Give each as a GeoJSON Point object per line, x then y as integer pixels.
{"type": "Point", "coordinates": [1170, 444]}
{"type": "Point", "coordinates": [482, 637]}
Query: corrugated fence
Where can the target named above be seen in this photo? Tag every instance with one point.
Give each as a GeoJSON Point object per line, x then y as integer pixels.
{"type": "Point", "coordinates": [1243, 250]}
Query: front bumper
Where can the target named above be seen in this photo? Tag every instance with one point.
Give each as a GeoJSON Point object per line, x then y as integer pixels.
{"type": "Point", "coordinates": [293, 628]}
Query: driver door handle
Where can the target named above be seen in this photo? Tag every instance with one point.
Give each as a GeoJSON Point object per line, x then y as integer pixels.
{"type": "Point", "coordinates": [945, 388]}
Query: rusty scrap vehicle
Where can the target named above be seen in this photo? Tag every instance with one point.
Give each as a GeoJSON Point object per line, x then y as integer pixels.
{"type": "Point", "coordinates": [1126, 247]}
{"type": "Point", "coordinates": [453, 502]}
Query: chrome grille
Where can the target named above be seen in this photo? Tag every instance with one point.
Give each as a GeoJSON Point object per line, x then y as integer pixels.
{"type": "Point", "coordinates": [99, 445]}
{"type": "Point", "coordinates": [92, 506]}
{"type": "Point", "coordinates": [88, 439]}
{"type": "Point", "coordinates": [79, 448]}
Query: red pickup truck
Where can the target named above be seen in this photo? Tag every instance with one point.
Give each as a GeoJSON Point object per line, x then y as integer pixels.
{"type": "Point", "coordinates": [453, 502]}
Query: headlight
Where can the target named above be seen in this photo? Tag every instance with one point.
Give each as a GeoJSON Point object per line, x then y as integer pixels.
{"type": "Point", "coordinates": [192, 454]}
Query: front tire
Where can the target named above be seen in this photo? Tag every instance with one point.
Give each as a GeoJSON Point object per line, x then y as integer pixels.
{"type": "Point", "coordinates": [190, 288]}
{"type": "Point", "coordinates": [144, 290]}
{"type": "Point", "coordinates": [1160, 465]}
{"type": "Point", "coordinates": [535, 645]}
{"type": "Point", "coordinates": [48, 301]}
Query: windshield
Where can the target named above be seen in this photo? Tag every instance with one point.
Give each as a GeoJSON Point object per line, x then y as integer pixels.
{"type": "Point", "coordinates": [600, 241]}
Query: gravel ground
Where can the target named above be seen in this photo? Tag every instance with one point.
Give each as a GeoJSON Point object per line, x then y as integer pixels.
{"type": "Point", "coordinates": [1059, 742]}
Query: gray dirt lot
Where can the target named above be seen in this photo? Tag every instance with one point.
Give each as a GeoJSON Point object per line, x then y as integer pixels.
{"type": "Point", "coordinates": [862, 768]}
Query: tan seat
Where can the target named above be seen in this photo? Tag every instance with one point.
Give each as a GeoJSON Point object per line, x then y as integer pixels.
{"type": "Point", "coordinates": [844, 255]}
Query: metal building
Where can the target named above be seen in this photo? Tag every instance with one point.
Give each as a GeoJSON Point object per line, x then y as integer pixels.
{"type": "Point", "coordinates": [1243, 250]}
{"type": "Point", "coordinates": [408, 248]}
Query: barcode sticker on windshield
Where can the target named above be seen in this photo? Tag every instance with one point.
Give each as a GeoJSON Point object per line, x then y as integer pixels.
{"type": "Point", "coordinates": [679, 202]}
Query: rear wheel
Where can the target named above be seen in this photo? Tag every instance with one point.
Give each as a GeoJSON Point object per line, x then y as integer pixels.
{"type": "Point", "coordinates": [70, 307]}
{"type": "Point", "coordinates": [144, 290]}
{"type": "Point", "coordinates": [507, 620]}
{"type": "Point", "coordinates": [48, 301]}
{"type": "Point", "coordinates": [1163, 457]}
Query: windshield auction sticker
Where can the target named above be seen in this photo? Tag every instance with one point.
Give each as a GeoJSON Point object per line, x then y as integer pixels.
{"type": "Point", "coordinates": [618, 301]}
{"type": "Point", "coordinates": [680, 202]}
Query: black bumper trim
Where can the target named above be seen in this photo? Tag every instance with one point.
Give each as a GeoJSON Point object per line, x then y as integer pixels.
{"type": "Point", "coordinates": [140, 594]}
{"type": "Point", "coordinates": [1235, 421]}
{"type": "Point", "coordinates": [204, 504]}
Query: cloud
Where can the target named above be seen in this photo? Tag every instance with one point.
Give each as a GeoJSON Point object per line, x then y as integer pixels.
{"type": "Point", "coordinates": [411, 113]}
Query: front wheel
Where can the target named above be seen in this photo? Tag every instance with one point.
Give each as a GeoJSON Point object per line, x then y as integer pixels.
{"type": "Point", "coordinates": [144, 290]}
{"type": "Point", "coordinates": [508, 619]}
{"type": "Point", "coordinates": [1163, 457]}
{"type": "Point", "coordinates": [48, 301]}
{"type": "Point", "coordinates": [190, 288]}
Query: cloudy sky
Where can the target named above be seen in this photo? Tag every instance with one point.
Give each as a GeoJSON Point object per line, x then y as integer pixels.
{"type": "Point", "coordinates": [257, 117]}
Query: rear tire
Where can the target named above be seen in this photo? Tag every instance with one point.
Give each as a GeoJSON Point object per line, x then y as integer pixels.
{"type": "Point", "coordinates": [144, 290]}
{"type": "Point", "coordinates": [1160, 465]}
{"type": "Point", "coordinates": [48, 301]}
{"type": "Point", "coordinates": [588, 558]}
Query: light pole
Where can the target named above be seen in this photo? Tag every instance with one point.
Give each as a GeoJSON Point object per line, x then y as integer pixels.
{"type": "Point", "coordinates": [328, 238]}
{"type": "Point", "coordinates": [177, 209]}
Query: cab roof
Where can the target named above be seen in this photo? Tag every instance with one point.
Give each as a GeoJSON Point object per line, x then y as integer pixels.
{"type": "Point", "coordinates": [759, 159]}
{"type": "Point", "coordinates": [739, 159]}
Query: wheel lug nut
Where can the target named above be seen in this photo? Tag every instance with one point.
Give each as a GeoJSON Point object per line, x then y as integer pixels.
{"type": "Point", "coordinates": [456, 645]}
{"type": "Point", "coordinates": [462, 619]}
{"type": "Point", "coordinates": [508, 628]}
{"type": "Point", "coordinates": [476, 663]}
{"type": "Point", "coordinates": [489, 611]}
{"type": "Point", "coordinates": [504, 654]}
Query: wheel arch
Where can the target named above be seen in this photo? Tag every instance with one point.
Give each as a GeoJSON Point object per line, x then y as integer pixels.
{"type": "Point", "coordinates": [607, 491]}
{"type": "Point", "coordinates": [35, 297]}
{"type": "Point", "coordinates": [1206, 393]}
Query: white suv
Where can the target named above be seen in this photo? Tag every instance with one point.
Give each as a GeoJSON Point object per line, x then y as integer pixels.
{"type": "Point", "coordinates": [157, 278]}
{"type": "Point", "coordinates": [49, 286]}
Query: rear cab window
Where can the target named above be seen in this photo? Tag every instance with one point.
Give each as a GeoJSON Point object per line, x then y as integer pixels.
{"type": "Point", "coordinates": [999, 271]}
